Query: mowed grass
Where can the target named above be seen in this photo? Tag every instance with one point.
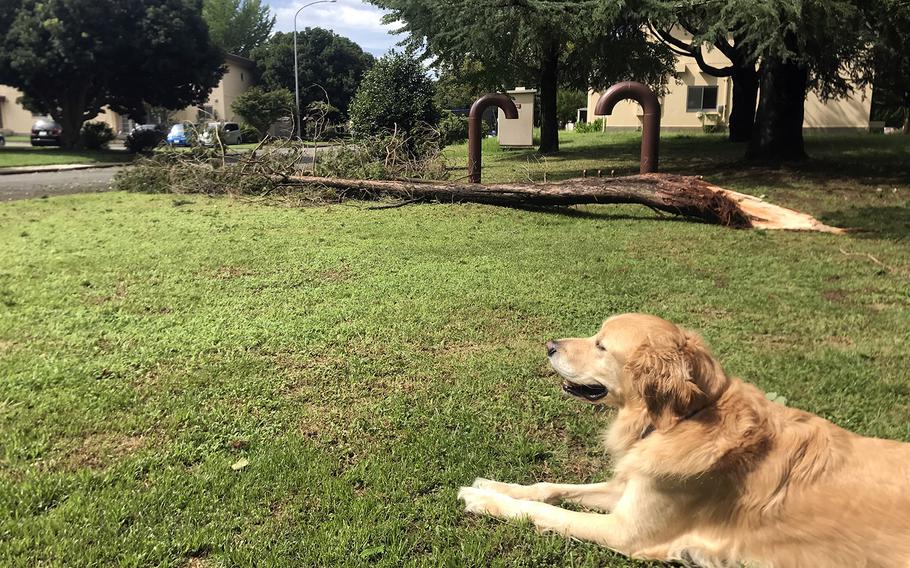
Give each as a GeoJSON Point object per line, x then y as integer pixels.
{"type": "Point", "coordinates": [368, 362]}
{"type": "Point", "coordinates": [11, 156]}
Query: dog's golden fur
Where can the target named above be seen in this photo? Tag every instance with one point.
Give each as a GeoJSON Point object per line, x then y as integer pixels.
{"type": "Point", "coordinates": [708, 470]}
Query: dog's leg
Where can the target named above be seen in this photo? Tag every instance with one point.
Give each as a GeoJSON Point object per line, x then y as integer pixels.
{"type": "Point", "coordinates": [600, 496]}
{"type": "Point", "coordinates": [612, 530]}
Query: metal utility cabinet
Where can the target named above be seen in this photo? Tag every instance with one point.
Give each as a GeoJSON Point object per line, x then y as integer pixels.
{"type": "Point", "coordinates": [518, 133]}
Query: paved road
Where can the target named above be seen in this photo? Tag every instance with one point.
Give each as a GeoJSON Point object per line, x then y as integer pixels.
{"type": "Point", "coordinates": [24, 186]}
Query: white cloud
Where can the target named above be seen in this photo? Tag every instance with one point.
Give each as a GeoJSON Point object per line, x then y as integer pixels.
{"type": "Point", "coordinates": [354, 19]}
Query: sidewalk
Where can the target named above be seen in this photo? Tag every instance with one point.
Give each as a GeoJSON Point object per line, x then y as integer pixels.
{"type": "Point", "coordinates": [58, 168]}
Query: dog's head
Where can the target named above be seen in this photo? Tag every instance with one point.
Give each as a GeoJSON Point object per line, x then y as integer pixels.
{"type": "Point", "coordinates": [640, 359]}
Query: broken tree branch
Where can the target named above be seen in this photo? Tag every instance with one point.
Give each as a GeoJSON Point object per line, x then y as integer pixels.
{"type": "Point", "coordinates": [687, 196]}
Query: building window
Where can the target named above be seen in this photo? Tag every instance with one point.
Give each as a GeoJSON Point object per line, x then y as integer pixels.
{"type": "Point", "coordinates": [701, 98]}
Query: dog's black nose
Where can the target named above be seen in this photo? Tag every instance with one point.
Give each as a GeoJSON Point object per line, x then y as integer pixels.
{"type": "Point", "coordinates": [551, 348]}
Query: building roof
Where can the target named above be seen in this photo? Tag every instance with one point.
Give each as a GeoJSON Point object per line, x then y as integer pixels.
{"type": "Point", "coordinates": [239, 60]}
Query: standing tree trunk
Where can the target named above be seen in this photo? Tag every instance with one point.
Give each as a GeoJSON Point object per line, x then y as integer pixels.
{"type": "Point", "coordinates": [906, 129]}
{"type": "Point", "coordinates": [71, 121]}
{"type": "Point", "coordinates": [72, 116]}
{"type": "Point", "coordinates": [778, 132]}
{"type": "Point", "coordinates": [742, 108]}
{"type": "Point", "coordinates": [549, 84]}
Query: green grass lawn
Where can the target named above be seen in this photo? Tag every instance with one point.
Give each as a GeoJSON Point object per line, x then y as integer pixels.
{"type": "Point", "coordinates": [369, 362]}
{"type": "Point", "coordinates": [18, 138]}
{"type": "Point", "coordinates": [50, 155]}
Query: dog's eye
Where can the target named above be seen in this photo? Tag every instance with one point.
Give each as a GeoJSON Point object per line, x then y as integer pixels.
{"type": "Point", "coordinates": [600, 346]}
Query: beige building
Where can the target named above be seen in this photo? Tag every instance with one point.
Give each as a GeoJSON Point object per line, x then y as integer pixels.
{"type": "Point", "coordinates": [237, 79]}
{"type": "Point", "coordinates": [695, 98]}
{"type": "Point", "coordinates": [15, 119]}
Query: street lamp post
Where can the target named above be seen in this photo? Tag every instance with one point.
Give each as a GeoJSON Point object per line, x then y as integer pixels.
{"type": "Point", "coordinates": [296, 80]}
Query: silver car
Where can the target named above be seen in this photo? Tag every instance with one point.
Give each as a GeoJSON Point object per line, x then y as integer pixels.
{"type": "Point", "coordinates": [229, 132]}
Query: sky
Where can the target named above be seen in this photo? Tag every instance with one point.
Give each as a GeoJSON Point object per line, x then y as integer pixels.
{"type": "Point", "coordinates": [353, 19]}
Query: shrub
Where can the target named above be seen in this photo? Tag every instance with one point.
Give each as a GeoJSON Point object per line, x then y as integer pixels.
{"type": "Point", "coordinates": [588, 127]}
{"type": "Point", "coordinates": [452, 128]}
{"type": "Point", "coordinates": [144, 140]}
{"type": "Point", "coordinates": [96, 135]}
{"type": "Point", "coordinates": [396, 95]}
{"type": "Point", "coordinates": [249, 133]}
{"type": "Point", "coordinates": [261, 109]}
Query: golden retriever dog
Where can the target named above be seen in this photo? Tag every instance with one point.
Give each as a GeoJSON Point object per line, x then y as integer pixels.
{"type": "Point", "coordinates": [708, 471]}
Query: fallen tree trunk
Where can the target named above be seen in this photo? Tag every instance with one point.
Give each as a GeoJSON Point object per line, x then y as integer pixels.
{"type": "Point", "coordinates": [680, 195]}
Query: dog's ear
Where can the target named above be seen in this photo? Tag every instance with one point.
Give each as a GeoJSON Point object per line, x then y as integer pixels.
{"type": "Point", "coordinates": [676, 376]}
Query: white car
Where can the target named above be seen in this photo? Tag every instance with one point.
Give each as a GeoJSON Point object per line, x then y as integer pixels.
{"type": "Point", "coordinates": [228, 131]}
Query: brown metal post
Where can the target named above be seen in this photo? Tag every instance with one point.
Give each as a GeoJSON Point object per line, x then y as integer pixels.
{"type": "Point", "coordinates": [474, 126]}
{"type": "Point", "coordinates": [650, 123]}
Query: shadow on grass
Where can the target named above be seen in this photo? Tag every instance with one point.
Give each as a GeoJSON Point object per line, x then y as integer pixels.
{"type": "Point", "coordinates": [888, 222]}
{"type": "Point", "coordinates": [603, 213]}
{"type": "Point", "coordinates": [869, 160]}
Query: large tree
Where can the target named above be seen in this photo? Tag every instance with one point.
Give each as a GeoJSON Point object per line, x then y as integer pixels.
{"type": "Point", "coordinates": [324, 59]}
{"type": "Point", "coordinates": [889, 25]}
{"type": "Point", "coordinates": [238, 26]}
{"type": "Point", "coordinates": [576, 44]}
{"type": "Point", "coordinates": [688, 34]}
{"type": "Point", "coordinates": [71, 58]}
{"type": "Point", "coordinates": [801, 45]}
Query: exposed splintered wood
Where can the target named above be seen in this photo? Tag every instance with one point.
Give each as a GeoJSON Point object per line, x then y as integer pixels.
{"type": "Point", "coordinates": [679, 195]}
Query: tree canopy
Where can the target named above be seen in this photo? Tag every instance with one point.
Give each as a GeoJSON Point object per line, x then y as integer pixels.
{"type": "Point", "coordinates": [395, 95]}
{"type": "Point", "coordinates": [324, 59]}
{"type": "Point", "coordinates": [890, 30]}
{"type": "Point", "coordinates": [576, 44]}
{"type": "Point", "coordinates": [238, 26]}
{"type": "Point", "coordinates": [260, 108]}
{"type": "Point", "coordinates": [822, 45]}
{"type": "Point", "coordinates": [71, 58]}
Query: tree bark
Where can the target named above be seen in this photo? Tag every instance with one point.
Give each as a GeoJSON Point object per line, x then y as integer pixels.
{"type": "Point", "coordinates": [778, 132]}
{"type": "Point", "coordinates": [71, 121]}
{"type": "Point", "coordinates": [742, 108]}
{"type": "Point", "coordinates": [549, 84]}
{"type": "Point", "coordinates": [906, 129]}
{"type": "Point", "coordinates": [680, 195]}
{"type": "Point", "coordinates": [72, 116]}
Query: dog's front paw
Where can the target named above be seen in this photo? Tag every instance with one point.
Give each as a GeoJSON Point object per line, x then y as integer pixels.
{"type": "Point", "coordinates": [485, 502]}
{"type": "Point", "coordinates": [481, 483]}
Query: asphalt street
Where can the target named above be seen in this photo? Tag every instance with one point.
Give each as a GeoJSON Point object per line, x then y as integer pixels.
{"type": "Point", "coordinates": [25, 186]}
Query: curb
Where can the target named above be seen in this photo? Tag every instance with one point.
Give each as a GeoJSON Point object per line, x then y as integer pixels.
{"type": "Point", "coordinates": [59, 168]}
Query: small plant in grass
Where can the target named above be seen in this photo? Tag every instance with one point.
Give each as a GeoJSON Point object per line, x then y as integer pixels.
{"type": "Point", "coordinates": [96, 135]}
{"type": "Point", "coordinates": [588, 127]}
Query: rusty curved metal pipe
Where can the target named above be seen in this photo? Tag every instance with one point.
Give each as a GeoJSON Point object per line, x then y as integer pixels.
{"type": "Point", "coordinates": [650, 121]}
{"type": "Point", "coordinates": [474, 123]}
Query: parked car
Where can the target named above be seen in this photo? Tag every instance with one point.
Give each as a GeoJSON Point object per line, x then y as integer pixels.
{"type": "Point", "coordinates": [2, 140]}
{"type": "Point", "coordinates": [46, 132]}
{"type": "Point", "coordinates": [228, 131]}
{"type": "Point", "coordinates": [144, 137]}
{"type": "Point", "coordinates": [180, 134]}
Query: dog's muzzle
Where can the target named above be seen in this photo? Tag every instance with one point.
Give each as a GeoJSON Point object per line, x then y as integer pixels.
{"type": "Point", "coordinates": [587, 392]}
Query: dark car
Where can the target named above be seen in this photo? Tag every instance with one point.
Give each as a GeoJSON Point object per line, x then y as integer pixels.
{"type": "Point", "coordinates": [2, 140]}
{"type": "Point", "coordinates": [144, 137]}
{"type": "Point", "coordinates": [46, 132]}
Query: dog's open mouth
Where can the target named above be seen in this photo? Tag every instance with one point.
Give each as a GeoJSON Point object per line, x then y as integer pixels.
{"type": "Point", "coordinates": [587, 392]}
